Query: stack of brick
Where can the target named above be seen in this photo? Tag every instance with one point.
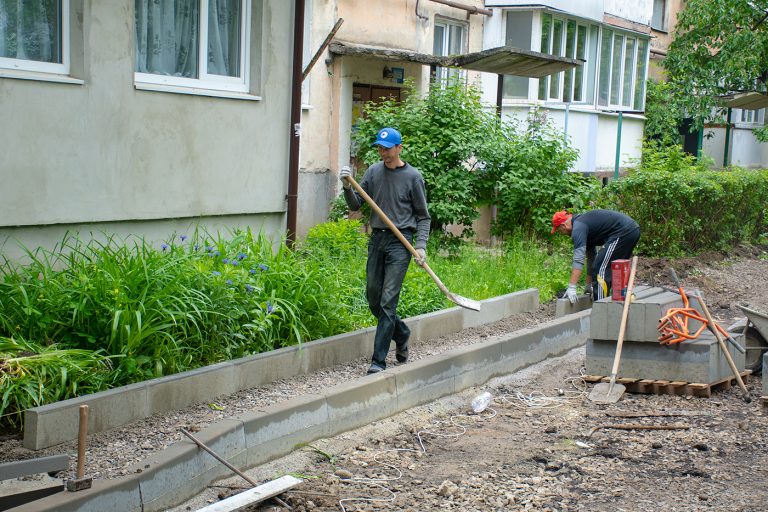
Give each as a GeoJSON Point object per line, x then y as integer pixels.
{"type": "Point", "coordinates": [642, 356]}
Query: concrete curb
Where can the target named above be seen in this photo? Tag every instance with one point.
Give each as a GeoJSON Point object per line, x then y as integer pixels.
{"type": "Point", "coordinates": [173, 475]}
{"type": "Point", "coordinates": [52, 424]}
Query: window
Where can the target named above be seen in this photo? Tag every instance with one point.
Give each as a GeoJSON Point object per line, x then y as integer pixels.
{"type": "Point", "coordinates": [752, 116]}
{"type": "Point", "coordinates": [659, 17]}
{"type": "Point", "coordinates": [450, 39]}
{"type": "Point", "coordinates": [622, 71]}
{"type": "Point", "coordinates": [34, 35]}
{"type": "Point", "coordinates": [564, 38]}
{"type": "Point", "coordinates": [193, 43]}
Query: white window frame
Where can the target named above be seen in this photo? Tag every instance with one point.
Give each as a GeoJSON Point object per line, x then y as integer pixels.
{"type": "Point", "coordinates": [307, 53]}
{"type": "Point", "coordinates": [206, 80]}
{"type": "Point", "coordinates": [546, 82]}
{"type": "Point", "coordinates": [442, 73]}
{"type": "Point", "coordinates": [751, 117]}
{"type": "Point", "coordinates": [635, 62]}
{"type": "Point", "coordinates": [61, 68]}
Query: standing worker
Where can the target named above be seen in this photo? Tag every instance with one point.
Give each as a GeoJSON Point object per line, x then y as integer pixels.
{"type": "Point", "coordinates": [616, 232]}
{"type": "Point", "coordinates": [398, 189]}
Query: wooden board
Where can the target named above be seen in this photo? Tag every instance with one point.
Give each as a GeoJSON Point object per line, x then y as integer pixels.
{"type": "Point", "coordinates": [255, 495]}
{"type": "Point", "coordinates": [666, 387]}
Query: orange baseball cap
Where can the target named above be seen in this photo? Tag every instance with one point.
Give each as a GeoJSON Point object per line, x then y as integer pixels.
{"type": "Point", "coordinates": [559, 218]}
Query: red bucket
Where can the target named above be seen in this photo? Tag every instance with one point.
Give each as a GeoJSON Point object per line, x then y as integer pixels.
{"type": "Point", "coordinates": [619, 279]}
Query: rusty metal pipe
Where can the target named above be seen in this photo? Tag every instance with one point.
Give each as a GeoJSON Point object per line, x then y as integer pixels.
{"type": "Point", "coordinates": [471, 9]}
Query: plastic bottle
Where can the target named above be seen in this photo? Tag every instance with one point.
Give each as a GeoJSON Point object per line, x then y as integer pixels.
{"type": "Point", "coordinates": [481, 402]}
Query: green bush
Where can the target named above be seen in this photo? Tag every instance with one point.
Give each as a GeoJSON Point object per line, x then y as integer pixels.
{"type": "Point", "coordinates": [682, 208]}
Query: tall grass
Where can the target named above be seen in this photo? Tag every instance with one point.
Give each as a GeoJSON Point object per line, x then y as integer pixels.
{"type": "Point", "coordinates": [89, 315]}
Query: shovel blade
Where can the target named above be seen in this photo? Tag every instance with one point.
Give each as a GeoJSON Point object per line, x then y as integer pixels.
{"type": "Point", "coordinates": [606, 392]}
{"type": "Point", "coordinates": [464, 302]}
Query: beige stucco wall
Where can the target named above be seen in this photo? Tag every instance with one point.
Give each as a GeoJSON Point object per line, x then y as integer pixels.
{"type": "Point", "coordinates": [326, 123]}
{"type": "Point", "coordinates": [105, 154]}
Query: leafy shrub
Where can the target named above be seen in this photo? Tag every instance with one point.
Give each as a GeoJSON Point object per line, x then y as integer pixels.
{"type": "Point", "coordinates": [683, 208]}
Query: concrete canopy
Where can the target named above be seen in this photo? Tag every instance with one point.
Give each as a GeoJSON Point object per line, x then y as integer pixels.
{"type": "Point", "coordinates": [746, 100]}
{"type": "Point", "coordinates": [504, 60]}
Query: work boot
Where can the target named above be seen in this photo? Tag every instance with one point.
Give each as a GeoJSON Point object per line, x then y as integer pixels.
{"type": "Point", "coordinates": [401, 354]}
{"type": "Point", "coordinates": [375, 369]}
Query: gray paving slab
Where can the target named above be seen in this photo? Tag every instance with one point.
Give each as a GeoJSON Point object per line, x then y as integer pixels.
{"type": "Point", "coordinates": [564, 307]}
{"type": "Point", "coordinates": [699, 361]}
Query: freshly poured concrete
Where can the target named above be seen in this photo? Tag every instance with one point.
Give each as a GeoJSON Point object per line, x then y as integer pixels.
{"type": "Point", "coordinates": [173, 475]}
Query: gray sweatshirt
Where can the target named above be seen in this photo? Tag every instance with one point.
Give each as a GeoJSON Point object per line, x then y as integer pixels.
{"type": "Point", "coordinates": [401, 195]}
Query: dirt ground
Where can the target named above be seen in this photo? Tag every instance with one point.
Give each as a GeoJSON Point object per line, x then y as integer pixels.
{"type": "Point", "coordinates": [543, 445]}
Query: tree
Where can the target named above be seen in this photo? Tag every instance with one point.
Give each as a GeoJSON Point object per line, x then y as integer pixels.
{"type": "Point", "coordinates": [720, 47]}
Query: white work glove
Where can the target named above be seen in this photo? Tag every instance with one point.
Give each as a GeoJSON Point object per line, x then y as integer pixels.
{"type": "Point", "coordinates": [422, 259]}
{"type": "Point", "coordinates": [345, 172]}
{"type": "Point", "coordinates": [571, 293]}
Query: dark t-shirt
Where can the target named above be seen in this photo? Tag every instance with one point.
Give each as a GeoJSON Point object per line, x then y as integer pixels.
{"type": "Point", "coordinates": [594, 228]}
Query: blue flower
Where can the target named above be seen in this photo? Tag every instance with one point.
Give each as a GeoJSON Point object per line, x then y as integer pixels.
{"type": "Point", "coordinates": [209, 248]}
{"type": "Point", "coordinates": [249, 288]}
{"type": "Point", "coordinates": [216, 253]}
{"type": "Point", "coordinates": [235, 263]}
{"type": "Point", "coordinates": [229, 282]}
{"type": "Point", "coordinates": [183, 237]}
{"type": "Point", "coordinates": [164, 247]}
{"type": "Point", "coordinates": [270, 309]}
{"type": "Point", "coordinates": [241, 256]}
{"type": "Point", "coordinates": [253, 271]}
{"type": "Point", "coordinates": [225, 261]}
{"type": "Point", "coordinates": [263, 267]}
{"type": "Point", "coordinates": [197, 247]}
{"type": "Point", "coordinates": [216, 273]}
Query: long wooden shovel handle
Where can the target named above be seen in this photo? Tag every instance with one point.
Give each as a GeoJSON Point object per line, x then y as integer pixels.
{"type": "Point", "coordinates": [713, 327]}
{"type": "Point", "coordinates": [624, 316]}
{"type": "Point", "coordinates": [398, 234]}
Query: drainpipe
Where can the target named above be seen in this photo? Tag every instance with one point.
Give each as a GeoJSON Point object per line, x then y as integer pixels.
{"type": "Point", "coordinates": [565, 128]}
{"type": "Point", "coordinates": [618, 147]}
{"type": "Point", "coordinates": [295, 128]}
{"type": "Point", "coordinates": [727, 138]}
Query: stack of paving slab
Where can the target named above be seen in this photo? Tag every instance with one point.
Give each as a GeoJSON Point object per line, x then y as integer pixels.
{"type": "Point", "coordinates": [642, 356]}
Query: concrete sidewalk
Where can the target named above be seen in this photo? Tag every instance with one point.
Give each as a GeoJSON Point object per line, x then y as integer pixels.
{"type": "Point", "coordinates": [173, 475]}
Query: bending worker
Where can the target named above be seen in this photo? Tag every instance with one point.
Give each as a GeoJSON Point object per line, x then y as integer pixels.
{"type": "Point", "coordinates": [399, 190]}
{"type": "Point", "coordinates": [616, 232]}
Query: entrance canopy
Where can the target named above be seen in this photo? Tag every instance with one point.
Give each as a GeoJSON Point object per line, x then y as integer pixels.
{"type": "Point", "coordinates": [746, 100]}
{"type": "Point", "coordinates": [504, 60]}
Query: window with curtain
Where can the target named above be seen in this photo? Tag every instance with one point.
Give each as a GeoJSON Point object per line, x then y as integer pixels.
{"type": "Point", "coordinates": [449, 39]}
{"type": "Point", "coordinates": [34, 35]}
{"type": "Point", "coordinates": [565, 38]}
{"type": "Point", "coordinates": [659, 16]}
{"type": "Point", "coordinates": [194, 43]}
{"type": "Point", "coordinates": [623, 70]}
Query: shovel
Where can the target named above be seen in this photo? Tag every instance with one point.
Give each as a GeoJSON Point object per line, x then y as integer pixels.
{"type": "Point", "coordinates": [456, 299]}
{"type": "Point", "coordinates": [610, 392]}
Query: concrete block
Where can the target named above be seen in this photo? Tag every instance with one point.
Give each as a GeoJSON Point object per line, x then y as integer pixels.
{"type": "Point", "coordinates": [359, 402]}
{"type": "Point", "coordinates": [439, 323]}
{"type": "Point", "coordinates": [424, 380]}
{"type": "Point", "coordinates": [556, 337]}
{"type": "Point", "coordinates": [56, 423]}
{"type": "Point", "coordinates": [276, 430]}
{"type": "Point", "coordinates": [178, 391]}
{"type": "Point", "coordinates": [496, 308]}
{"type": "Point", "coordinates": [699, 361]}
{"type": "Point", "coordinates": [115, 494]}
{"type": "Point", "coordinates": [478, 363]}
{"type": "Point", "coordinates": [564, 307]}
{"type": "Point", "coordinates": [649, 306]}
{"type": "Point", "coordinates": [173, 476]}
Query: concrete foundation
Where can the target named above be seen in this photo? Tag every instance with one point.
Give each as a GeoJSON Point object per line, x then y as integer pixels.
{"type": "Point", "coordinates": [699, 361]}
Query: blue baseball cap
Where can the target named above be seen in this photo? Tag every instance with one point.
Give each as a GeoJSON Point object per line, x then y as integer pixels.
{"type": "Point", "coordinates": [388, 138]}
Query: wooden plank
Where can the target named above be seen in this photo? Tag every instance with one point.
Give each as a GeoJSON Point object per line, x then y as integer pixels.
{"type": "Point", "coordinates": [255, 495]}
{"type": "Point", "coordinates": [52, 464]}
